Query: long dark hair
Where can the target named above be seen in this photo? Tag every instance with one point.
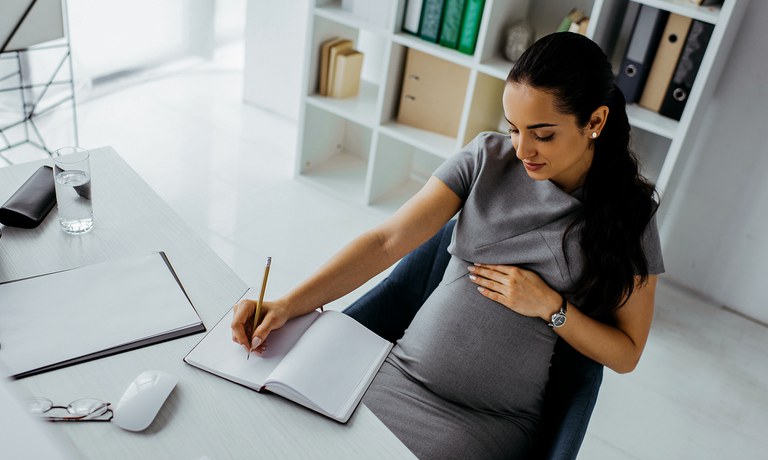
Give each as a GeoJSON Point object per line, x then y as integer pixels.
{"type": "Point", "coordinates": [618, 202]}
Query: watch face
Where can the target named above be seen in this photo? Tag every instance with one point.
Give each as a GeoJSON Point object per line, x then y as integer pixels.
{"type": "Point", "coordinates": [558, 320]}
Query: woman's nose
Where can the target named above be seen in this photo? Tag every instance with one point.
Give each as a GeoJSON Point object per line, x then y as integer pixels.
{"type": "Point", "coordinates": [524, 148]}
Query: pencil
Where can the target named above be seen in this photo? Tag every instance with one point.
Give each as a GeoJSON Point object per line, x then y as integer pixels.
{"type": "Point", "coordinates": [261, 299]}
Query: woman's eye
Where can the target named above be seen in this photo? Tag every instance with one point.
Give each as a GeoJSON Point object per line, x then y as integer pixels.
{"type": "Point", "coordinates": [512, 131]}
{"type": "Point", "coordinates": [545, 138]}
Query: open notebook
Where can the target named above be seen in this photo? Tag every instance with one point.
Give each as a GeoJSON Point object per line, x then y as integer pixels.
{"type": "Point", "coordinates": [68, 317]}
{"type": "Point", "coordinates": [323, 361]}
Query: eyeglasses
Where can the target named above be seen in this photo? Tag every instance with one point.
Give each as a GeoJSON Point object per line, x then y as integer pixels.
{"type": "Point", "coordinates": [82, 410]}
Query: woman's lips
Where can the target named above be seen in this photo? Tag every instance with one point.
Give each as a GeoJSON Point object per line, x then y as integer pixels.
{"type": "Point", "coordinates": [533, 166]}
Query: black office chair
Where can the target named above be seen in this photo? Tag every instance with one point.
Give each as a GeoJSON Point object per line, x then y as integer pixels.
{"type": "Point", "coordinates": [574, 380]}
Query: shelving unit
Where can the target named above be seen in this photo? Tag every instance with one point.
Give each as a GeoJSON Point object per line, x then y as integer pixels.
{"type": "Point", "coordinates": [355, 147]}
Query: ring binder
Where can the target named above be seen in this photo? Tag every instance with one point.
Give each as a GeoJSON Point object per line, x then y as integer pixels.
{"type": "Point", "coordinates": [636, 64]}
{"type": "Point", "coordinates": [667, 55]}
{"type": "Point", "coordinates": [686, 70]}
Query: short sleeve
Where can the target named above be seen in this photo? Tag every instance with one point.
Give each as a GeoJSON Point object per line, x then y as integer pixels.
{"type": "Point", "coordinates": [460, 171]}
{"type": "Point", "coordinates": [652, 248]}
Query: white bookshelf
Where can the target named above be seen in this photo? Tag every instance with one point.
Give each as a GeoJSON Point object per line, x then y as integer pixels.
{"type": "Point", "coordinates": [356, 149]}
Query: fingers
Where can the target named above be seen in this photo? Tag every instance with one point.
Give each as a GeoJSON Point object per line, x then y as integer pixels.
{"type": "Point", "coordinates": [500, 283]}
{"type": "Point", "coordinates": [504, 275]}
{"type": "Point", "coordinates": [498, 270]}
{"type": "Point", "coordinates": [273, 315]}
{"type": "Point", "coordinates": [242, 322]}
{"type": "Point", "coordinates": [261, 333]}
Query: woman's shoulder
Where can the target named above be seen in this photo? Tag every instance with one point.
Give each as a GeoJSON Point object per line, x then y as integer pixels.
{"type": "Point", "coordinates": [490, 147]}
{"type": "Point", "coordinates": [494, 143]}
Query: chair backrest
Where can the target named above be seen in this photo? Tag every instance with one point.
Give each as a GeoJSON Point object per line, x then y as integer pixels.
{"type": "Point", "coordinates": [574, 380]}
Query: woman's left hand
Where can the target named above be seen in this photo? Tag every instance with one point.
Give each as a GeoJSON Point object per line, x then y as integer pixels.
{"type": "Point", "coordinates": [520, 290]}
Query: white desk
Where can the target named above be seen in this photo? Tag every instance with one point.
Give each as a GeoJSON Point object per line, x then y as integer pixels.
{"type": "Point", "coordinates": [205, 416]}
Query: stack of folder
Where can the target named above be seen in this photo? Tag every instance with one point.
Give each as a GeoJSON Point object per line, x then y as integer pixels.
{"type": "Point", "coordinates": [432, 96]}
{"type": "Point", "coordinates": [340, 68]}
{"type": "Point", "coordinates": [450, 23]}
{"type": "Point", "coordinates": [662, 58]}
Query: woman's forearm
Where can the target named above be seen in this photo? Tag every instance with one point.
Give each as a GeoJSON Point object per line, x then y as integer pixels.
{"type": "Point", "coordinates": [618, 347]}
{"type": "Point", "coordinates": [357, 262]}
{"type": "Point", "coordinates": [373, 251]}
{"type": "Point", "coordinates": [600, 342]}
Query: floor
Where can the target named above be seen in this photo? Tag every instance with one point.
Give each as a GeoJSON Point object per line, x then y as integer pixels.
{"type": "Point", "coordinates": [700, 391]}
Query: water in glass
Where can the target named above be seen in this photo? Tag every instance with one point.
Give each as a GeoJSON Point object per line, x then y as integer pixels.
{"type": "Point", "coordinates": [73, 196]}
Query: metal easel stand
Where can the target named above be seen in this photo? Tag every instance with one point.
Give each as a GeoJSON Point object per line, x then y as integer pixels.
{"type": "Point", "coordinates": [38, 105]}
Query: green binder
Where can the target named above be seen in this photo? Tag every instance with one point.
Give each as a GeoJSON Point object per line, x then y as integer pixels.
{"type": "Point", "coordinates": [449, 33]}
{"type": "Point", "coordinates": [470, 25]}
{"type": "Point", "coordinates": [431, 20]}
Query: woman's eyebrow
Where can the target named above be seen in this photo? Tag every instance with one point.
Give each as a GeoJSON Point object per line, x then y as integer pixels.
{"type": "Point", "coordinates": [535, 126]}
{"type": "Point", "coordinates": [540, 125]}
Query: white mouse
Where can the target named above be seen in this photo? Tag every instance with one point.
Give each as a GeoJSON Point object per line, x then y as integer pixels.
{"type": "Point", "coordinates": [143, 399]}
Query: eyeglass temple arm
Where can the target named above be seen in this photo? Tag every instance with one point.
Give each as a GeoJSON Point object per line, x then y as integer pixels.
{"type": "Point", "coordinates": [79, 418]}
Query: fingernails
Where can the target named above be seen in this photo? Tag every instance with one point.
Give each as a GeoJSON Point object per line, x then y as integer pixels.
{"type": "Point", "coordinates": [255, 343]}
{"type": "Point", "coordinates": [472, 277]}
{"type": "Point", "coordinates": [470, 268]}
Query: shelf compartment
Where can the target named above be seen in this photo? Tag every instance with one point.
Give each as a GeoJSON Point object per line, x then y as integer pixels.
{"type": "Point", "coordinates": [436, 144]}
{"type": "Point", "coordinates": [335, 153]}
{"type": "Point", "coordinates": [543, 17]}
{"type": "Point", "coordinates": [442, 52]}
{"type": "Point", "coordinates": [486, 112]}
{"type": "Point", "coordinates": [547, 16]}
{"type": "Point", "coordinates": [384, 11]}
{"type": "Point", "coordinates": [651, 151]}
{"type": "Point", "coordinates": [371, 45]}
{"type": "Point", "coordinates": [708, 14]}
{"type": "Point", "coordinates": [433, 93]}
{"type": "Point", "coordinates": [651, 121]}
{"type": "Point", "coordinates": [400, 170]}
{"type": "Point", "coordinates": [496, 67]}
{"type": "Point", "coordinates": [362, 108]}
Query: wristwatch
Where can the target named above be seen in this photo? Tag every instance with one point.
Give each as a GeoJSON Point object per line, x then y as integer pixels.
{"type": "Point", "coordinates": [558, 319]}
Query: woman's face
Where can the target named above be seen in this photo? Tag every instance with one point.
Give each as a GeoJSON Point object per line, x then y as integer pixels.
{"type": "Point", "coordinates": [550, 144]}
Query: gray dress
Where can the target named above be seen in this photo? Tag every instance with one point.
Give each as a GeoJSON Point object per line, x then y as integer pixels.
{"type": "Point", "coordinates": [467, 379]}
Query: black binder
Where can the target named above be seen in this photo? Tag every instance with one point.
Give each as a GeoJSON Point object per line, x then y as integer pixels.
{"type": "Point", "coordinates": [686, 70]}
{"type": "Point", "coordinates": [638, 57]}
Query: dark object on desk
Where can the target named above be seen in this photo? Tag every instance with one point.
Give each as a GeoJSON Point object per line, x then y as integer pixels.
{"type": "Point", "coordinates": [29, 205]}
{"type": "Point", "coordinates": [574, 380]}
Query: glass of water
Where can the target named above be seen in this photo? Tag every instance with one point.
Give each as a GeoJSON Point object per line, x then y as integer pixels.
{"type": "Point", "coordinates": [72, 174]}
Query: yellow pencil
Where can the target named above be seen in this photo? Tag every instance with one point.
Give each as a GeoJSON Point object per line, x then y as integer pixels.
{"type": "Point", "coordinates": [261, 299]}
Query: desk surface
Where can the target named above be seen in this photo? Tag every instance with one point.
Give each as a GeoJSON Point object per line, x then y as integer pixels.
{"type": "Point", "coordinates": [205, 416]}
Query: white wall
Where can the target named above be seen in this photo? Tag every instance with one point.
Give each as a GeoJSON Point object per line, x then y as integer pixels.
{"type": "Point", "coordinates": [275, 42]}
{"type": "Point", "coordinates": [716, 238]}
{"type": "Point", "coordinates": [109, 37]}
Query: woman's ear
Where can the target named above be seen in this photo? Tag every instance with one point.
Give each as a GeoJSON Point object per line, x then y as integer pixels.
{"type": "Point", "coordinates": [597, 121]}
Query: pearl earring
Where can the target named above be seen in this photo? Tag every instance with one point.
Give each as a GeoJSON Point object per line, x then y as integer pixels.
{"type": "Point", "coordinates": [594, 135]}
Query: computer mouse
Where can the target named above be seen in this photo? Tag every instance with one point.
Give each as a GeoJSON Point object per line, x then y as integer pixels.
{"type": "Point", "coordinates": [143, 399]}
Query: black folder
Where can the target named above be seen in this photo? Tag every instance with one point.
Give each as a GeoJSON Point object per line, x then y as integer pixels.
{"type": "Point", "coordinates": [638, 57]}
{"type": "Point", "coordinates": [686, 70]}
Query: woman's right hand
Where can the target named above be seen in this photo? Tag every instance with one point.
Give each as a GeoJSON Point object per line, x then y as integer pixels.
{"type": "Point", "coordinates": [273, 315]}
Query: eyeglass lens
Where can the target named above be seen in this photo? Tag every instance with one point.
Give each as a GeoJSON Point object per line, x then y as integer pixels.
{"type": "Point", "coordinates": [83, 409]}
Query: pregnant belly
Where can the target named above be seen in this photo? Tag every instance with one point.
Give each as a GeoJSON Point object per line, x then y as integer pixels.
{"type": "Point", "coordinates": [476, 352]}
